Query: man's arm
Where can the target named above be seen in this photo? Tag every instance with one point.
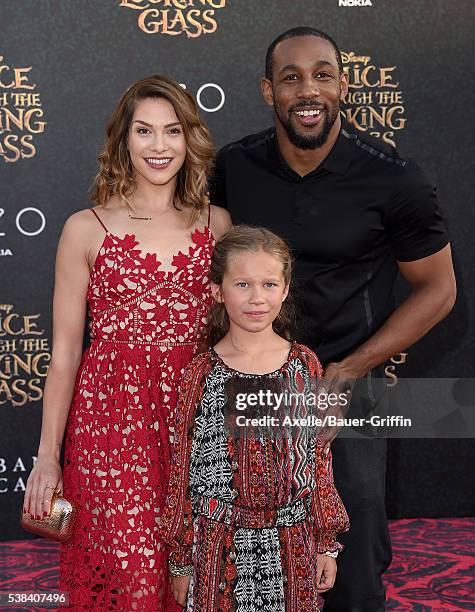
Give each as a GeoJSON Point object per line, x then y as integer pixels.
{"type": "Point", "coordinates": [433, 292]}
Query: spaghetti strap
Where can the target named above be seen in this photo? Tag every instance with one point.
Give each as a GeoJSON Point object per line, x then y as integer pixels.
{"type": "Point", "coordinates": [99, 219]}
{"type": "Point", "coordinates": [209, 213]}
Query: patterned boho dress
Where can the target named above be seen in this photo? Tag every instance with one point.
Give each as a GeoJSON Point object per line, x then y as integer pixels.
{"type": "Point", "coordinates": [145, 324]}
{"type": "Point", "coordinates": [249, 512]}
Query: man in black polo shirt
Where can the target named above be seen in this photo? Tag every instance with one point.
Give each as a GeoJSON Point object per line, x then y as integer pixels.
{"type": "Point", "coordinates": [355, 214]}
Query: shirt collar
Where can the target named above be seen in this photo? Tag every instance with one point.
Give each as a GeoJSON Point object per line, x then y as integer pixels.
{"type": "Point", "coordinates": [337, 161]}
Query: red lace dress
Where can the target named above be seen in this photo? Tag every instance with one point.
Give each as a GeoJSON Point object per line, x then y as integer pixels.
{"type": "Point", "coordinates": [144, 329]}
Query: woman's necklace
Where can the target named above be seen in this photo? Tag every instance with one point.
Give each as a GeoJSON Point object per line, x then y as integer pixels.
{"type": "Point", "coordinates": [141, 218]}
{"type": "Point", "coordinates": [162, 212]}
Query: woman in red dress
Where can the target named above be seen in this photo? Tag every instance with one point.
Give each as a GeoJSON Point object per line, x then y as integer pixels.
{"type": "Point", "coordinates": [140, 261]}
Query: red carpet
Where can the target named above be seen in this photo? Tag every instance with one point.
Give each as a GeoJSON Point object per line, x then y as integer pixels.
{"type": "Point", "coordinates": [433, 568]}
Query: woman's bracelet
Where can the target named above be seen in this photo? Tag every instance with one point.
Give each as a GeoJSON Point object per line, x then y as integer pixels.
{"type": "Point", "coordinates": [185, 570]}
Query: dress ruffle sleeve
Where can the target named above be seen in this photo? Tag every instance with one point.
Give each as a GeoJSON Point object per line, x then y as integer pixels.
{"type": "Point", "coordinates": [328, 512]}
{"type": "Point", "coordinates": [176, 527]}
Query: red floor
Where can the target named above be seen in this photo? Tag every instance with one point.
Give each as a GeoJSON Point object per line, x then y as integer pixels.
{"type": "Point", "coordinates": [433, 567]}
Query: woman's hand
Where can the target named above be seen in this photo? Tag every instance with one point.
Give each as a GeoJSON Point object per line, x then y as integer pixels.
{"type": "Point", "coordinates": [326, 573]}
{"type": "Point", "coordinates": [44, 478]}
{"type": "Point", "coordinates": [180, 586]}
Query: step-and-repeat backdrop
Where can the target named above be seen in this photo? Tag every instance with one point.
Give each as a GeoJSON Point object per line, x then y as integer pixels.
{"type": "Point", "coordinates": [63, 66]}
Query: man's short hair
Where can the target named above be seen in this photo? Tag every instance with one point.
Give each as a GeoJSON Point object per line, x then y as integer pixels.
{"type": "Point", "coordinates": [299, 31]}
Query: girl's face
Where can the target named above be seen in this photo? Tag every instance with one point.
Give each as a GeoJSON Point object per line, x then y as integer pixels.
{"type": "Point", "coordinates": [253, 289]}
{"type": "Point", "coordinates": [156, 142]}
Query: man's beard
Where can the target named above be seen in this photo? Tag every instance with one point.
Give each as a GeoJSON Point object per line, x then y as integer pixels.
{"type": "Point", "coordinates": [312, 141]}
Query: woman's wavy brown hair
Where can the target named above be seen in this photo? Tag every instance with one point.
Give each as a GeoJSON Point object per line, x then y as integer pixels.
{"type": "Point", "coordinates": [247, 238]}
{"type": "Point", "coordinates": [116, 173]}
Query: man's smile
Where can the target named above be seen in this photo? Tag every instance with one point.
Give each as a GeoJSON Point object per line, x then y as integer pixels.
{"type": "Point", "coordinates": [308, 117]}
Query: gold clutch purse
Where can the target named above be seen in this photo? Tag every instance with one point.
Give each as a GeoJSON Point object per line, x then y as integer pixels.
{"type": "Point", "coordinates": [59, 523]}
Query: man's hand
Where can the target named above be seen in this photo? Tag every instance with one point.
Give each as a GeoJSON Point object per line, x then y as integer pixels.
{"type": "Point", "coordinates": [180, 586]}
{"type": "Point", "coordinates": [336, 385]}
{"type": "Point", "coordinates": [326, 573]}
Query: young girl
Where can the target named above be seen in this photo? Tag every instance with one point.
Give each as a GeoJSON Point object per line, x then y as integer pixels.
{"type": "Point", "coordinates": [251, 519]}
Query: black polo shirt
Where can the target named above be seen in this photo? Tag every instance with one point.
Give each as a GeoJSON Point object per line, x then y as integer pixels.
{"type": "Point", "coordinates": [348, 222]}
